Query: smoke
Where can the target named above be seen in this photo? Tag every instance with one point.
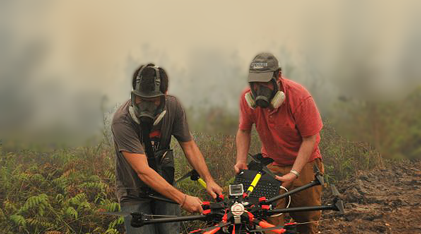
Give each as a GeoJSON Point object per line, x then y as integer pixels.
{"type": "Point", "coordinates": [367, 49]}
{"type": "Point", "coordinates": [63, 64]}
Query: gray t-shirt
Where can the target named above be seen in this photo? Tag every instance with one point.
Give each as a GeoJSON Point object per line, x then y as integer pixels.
{"type": "Point", "coordinates": [127, 137]}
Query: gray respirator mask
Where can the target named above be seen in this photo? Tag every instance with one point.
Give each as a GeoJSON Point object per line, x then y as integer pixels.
{"type": "Point", "coordinates": [146, 111]}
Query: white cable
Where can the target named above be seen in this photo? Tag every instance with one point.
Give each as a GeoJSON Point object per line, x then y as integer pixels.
{"type": "Point", "coordinates": [289, 202]}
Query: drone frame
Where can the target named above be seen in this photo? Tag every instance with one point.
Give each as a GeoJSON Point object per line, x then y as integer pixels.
{"type": "Point", "coordinates": [238, 214]}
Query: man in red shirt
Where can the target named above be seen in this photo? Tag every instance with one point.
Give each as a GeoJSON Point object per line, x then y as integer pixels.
{"type": "Point", "coordinates": [288, 123]}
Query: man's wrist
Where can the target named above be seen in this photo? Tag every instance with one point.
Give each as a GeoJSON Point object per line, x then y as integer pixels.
{"type": "Point", "coordinates": [240, 161]}
{"type": "Point", "coordinates": [184, 200]}
{"type": "Point", "coordinates": [208, 179]}
{"type": "Point", "coordinates": [206, 176]}
{"type": "Point", "coordinates": [296, 173]}
{"type": "Point", "coordinates": [180, 197]}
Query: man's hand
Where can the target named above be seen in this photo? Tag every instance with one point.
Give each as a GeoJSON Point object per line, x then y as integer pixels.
{"type": "Point", "coordinates": [213, 189]}
{"type": "Point", "coordinates": [287, 179]}
{"type": "Point", "coordinates": [242, 141]}
{"type": "Point", "coordinates": [240, 166]}
{"type": "Point", "coordinates": [192, 204]}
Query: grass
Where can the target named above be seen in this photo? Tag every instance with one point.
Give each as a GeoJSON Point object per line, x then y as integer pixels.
{"type": "Point", "coordinates": [343, 158]}
{"type": "Point", "coordinates": [61, 190]}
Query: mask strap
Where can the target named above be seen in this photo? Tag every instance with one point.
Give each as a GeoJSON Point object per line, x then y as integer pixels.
{"type": "Point", "coordinates": [158, 79]}
{"type": "Point", "coordinates": [136, 119]}
{"type": "Point", "coordinates": [275, 87]}
{"type": "Point", "coordinates": [252, 92]}
{"type": "Point", "coordinates": [159, 118]}
{"type": "Point", "coordinates": [139, 77]}
{"type": "Point", "coordinates": [133, 115]}
{"type": "Point", "coordinates": [146, 130]}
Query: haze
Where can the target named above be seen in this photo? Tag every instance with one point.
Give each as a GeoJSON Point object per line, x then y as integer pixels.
{"type": "Point", "coordinates": [62, 60]}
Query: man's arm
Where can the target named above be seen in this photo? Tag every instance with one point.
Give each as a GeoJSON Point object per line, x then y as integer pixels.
{"type": "Point", "coordinates": [155, 181]}
{"type": "Point", "coordinates": [304, 153]}
{"type": "Point", "coordinates": [243, 144]}
{"type": "Point", "coordinates": [195, 158]}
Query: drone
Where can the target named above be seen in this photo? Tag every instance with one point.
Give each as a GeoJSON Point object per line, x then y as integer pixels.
{"type": "Point", "coordinates": [239, 213]}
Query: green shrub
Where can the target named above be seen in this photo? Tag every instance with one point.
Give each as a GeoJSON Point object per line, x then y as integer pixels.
{"type": "Point", "coordinates": [392, 127]}
{"type": "Point", "coordinates": [342, 158]}
{"type": "Point", "coordinates": [61, 190]}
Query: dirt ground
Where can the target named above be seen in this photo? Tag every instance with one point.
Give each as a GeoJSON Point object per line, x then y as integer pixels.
{"type": "Point", "coordinates": [379, 201]}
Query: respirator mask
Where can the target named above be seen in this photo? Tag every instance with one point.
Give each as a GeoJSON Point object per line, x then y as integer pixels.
{"type": "Point", "coordinates": [264, 89]}
{"type": "Point", "coordinates": [265, 95]}
{"type": "Point", "coordinates": [148, 102]}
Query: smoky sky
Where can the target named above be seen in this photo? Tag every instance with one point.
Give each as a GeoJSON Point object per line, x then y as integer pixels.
{"type": "Point", "coordinates": [64, 63]}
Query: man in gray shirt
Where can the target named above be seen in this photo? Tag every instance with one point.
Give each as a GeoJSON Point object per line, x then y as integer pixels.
{"type": "Point", "coordinates": [142, 129]}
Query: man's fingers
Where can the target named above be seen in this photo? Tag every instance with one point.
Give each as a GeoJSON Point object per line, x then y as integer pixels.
{"type": "Point", "coordinates": [279, 178]}
{"type": "Point", "coordinates": [236, 169]}
{"type": "Point", "coordinates": [286, 185]}
{"type": "Point", "coordinates": [200, 209]}
{"type": "Point", "coordinates": [214, 189]}
{"type": "Point", "coordinates": [213, 194]}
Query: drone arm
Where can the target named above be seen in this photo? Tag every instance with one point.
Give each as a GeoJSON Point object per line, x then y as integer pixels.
{"type": "Point", "coordinates": [146, 221]}
{"type": "Point", "coordinates": [301, 209]}
{"type": "Point", "coordinates": [317, 181]}
{"type": "Point", "coordinates": [160, 198]}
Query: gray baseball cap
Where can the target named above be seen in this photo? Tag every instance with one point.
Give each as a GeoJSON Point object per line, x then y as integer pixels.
{"type": "Point", "coordinates": [262, 67]}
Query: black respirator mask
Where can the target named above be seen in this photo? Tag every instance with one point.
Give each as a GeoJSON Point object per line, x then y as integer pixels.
{"type": "Point", "coordinates": [264, 97]}
{"type": "Point", "coordinates": [146, 111]}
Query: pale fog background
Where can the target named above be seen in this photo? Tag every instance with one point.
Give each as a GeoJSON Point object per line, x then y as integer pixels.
{"type": "Point", "coordinates": [63, 64]}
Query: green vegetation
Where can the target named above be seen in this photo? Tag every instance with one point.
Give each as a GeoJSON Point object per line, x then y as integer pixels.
{"type": "Point", "coordinates": [393, 128]}
{"type": "Point", "coordinates": [59, 191]}
{"type": "Point", "coordinates": [62, 190]}
{"type": "Point", "coordinates": [342, 157]}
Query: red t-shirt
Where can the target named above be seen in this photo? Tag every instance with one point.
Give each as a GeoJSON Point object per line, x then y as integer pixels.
{"type": "Point", "coordinates": [281, 130]}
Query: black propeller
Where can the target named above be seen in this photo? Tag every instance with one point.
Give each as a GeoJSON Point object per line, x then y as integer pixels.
{"type": "Point", "coordinates": [259, 163]}
{"type": "Point", "coordinates": [191, 174]}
